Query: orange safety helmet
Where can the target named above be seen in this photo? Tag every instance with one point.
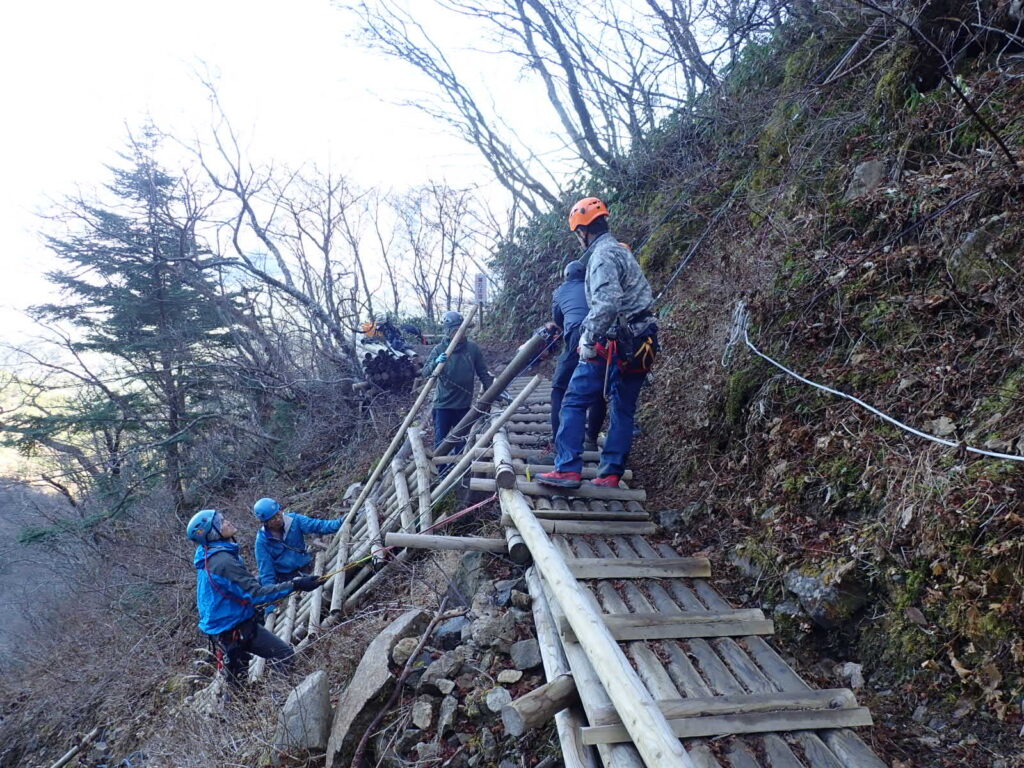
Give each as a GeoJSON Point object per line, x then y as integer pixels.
{"type": "Point", "coordinates": [585, 211]}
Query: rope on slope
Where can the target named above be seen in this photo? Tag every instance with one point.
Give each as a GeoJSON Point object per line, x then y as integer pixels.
{"type": "Point", "coordinates": [740, 318]}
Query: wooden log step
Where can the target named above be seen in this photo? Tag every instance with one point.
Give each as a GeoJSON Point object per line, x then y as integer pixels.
{"type": "Point", "coordinates": [487, 468]}
{"type": "Point", "coordinates": [752, 722]}
{"type": "Point", "coordinates": [662, 626]}
{"type": "Point", "coordinates": [640, 568]}
{"type": "Point", "coordinates": [517, 453]}
{"type": "Point", "coordinates": [585, 527]}
{"type": "Point", "coordinates": [832, 705]}
{"type": "Point", "coordinates": [585, 491]}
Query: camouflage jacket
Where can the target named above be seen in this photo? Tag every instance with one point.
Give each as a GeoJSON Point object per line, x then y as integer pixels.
{"type": "Point", "coordinates": [616, 287]}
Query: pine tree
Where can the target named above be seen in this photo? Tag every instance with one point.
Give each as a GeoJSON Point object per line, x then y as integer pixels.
{"type": "Point", "coordinates": [136, 290]}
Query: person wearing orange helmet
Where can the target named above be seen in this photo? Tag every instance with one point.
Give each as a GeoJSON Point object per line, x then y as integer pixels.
{"type": "Point", "coordinates": [617, 347]}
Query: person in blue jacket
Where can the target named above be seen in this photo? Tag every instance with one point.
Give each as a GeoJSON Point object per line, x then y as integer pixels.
{"type": "Point", "coordinates": [228, 596]}
{"type": "Point", "coordinates": [280, 542]}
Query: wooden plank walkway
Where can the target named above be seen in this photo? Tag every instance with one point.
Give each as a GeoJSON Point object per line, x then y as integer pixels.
{"type": "Point", "coordinates": [721, 693]}
{"type": "Point", "coordinates": [721, 686]}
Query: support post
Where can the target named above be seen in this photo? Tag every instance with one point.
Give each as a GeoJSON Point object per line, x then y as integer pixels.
{"type": "Point", "coordinates": [419, 456]}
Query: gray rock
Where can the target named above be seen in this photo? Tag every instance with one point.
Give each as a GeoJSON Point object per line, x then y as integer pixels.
{"type": "Point", "coordinates": [867, 177]}
{"type": "Point", "coordinates": [445, 686]}
{"type": "Point", "coordinates": [509, 676]}
{"type": "Point", "coordinates": [971, 262]}
{"type": "Point", "coordinates": [507, 764]}
{"type": "Point", "coordinates": [466, 580]}
{"type": "Point", "coordinates": [745, 565]}
{"type": "Point", "coordinates": [445, 667]}
{"type": "Point", "coordinates": [525, 654]}
{"type": "Point", "coordinates": [521, 599]}
{"type": "Point", "coordinates": [677, 519]}
{"type": "Point", "coordinates": [787, 608]}
{"type": "Point", "coordinates": [498, 698]}
{"type": "Point", "coordinates": [491, 631]}
{"type": "Point", "coordinates": [446, 715]}
{"type": "Point", "coordinates": [404, 649]}
{"type": "Point", "coordinates": [428, 750]}
{"type": "Point", "coordinates": [503, 591]}
{"type": "Point", "coordinates": [449, 633]}
{"type": "Point", "coordinates": [488, 746]}
{"type": "Point", "coordinates": [830, 597]}
{"type": "Point", "coordinates": [305, 719]}
{"type": "Point", "coordinates": [423, 712]}
{"type": "Point", "coordinates": [370, 686]}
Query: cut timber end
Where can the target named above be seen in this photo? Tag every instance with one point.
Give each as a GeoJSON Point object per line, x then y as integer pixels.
{"type": "Point", "coordinates": [539, 706]}
{"type": "Point", "coordinates": [517, 549]}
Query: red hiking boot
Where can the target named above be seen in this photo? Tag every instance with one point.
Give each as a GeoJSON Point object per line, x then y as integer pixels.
{"type": "Point", "coordinates": [608, 481]}
{"type": "Point", "coordinates": [561, 479]}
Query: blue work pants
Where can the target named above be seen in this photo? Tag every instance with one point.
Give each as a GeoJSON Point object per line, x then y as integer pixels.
{"type": "Point", "coordinates": [586, 387]}
{"type": "Point", "coordinates": [567, 362]}
{"type": "Point", "coordinates": [444, 420]}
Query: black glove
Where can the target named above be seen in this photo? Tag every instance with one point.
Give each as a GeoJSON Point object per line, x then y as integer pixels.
{"type": "Point", "coordinates": [306, 583]}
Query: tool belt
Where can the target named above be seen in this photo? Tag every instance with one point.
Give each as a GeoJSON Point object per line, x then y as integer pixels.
{"type": "Point", "coordinates": [637, 343]}
{"type": "Point", "coordinates": [241, 635]}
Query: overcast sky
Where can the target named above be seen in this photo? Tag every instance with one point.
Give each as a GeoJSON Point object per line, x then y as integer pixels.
{"type": "Point", "coordinates": [77, 74]}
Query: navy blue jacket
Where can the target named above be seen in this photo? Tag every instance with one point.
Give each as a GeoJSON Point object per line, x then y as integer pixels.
{"type": "Point", "coordinates": [278, 558]}
{"type": "Point", "coordinates": [226, 593]}
{"type": "Point", "coordinates": [569, 305]}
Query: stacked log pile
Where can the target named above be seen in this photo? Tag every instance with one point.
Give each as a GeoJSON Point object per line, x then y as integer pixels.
{"type": "Point", "coordinates": [386, 367]}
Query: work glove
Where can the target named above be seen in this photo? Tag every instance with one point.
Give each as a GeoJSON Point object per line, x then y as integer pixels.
{"type": "Point", "coordinates": [443, 357]}
{"type": "Point", "coordinates": [587, 350]}
{"type": "Point", "coordinates": [306, 583]}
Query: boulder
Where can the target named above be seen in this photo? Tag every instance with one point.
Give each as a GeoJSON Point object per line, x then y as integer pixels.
{"type": "Point", "coordinates": [867, 177]}
{"type": "Point", "coordinates": [677, 519]}
{"type": "Point", "coordinates": [370, 687]}
{"type": "Point", "coordinates": [466, 580]}
{"type": "Point", "coordinates": [449, 633]}
{"type": "Point", "coordinates": [305, 719]}
{"type": "Point", "coordinates": [525, 654]}
{"type": "Point", "coordinates": [446, 715]}
{"type": "Point", "coordinates": [494, 631]}
{"type": "Point", "coordinates": [831, 597]}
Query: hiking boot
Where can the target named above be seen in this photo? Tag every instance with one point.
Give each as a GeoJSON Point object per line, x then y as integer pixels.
{"type": "Point", "coordinates": [561, 479]}
{"type": "Point", "coordinates": [608, 481]}
{"type": "Point", "coordinates": [590, 444]}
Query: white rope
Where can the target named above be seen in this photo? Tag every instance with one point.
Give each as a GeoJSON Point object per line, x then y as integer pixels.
{"type": "Point", "coordinates": [890, 419]}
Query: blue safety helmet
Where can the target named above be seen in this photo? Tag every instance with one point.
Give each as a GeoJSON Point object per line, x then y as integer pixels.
{"type": "Point", "coordinates": [573, 271]}
{"type": "Point", "coordinates": [264, 509]}
{"type": "Point", "coordinates": [451, 319]}
{"type": "Point", "coordinates": [204, 527]}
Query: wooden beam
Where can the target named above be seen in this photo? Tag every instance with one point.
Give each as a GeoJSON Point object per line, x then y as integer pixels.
{"type": "Point", "coordinates": [517, 549]}
{"type": "Point", "coordinates": [660, 626]}
{"type": "Point", "coordinates": [585, 491]}
{"type": "Point", "coordinates": [591, 514]}
{"type": "Point", "coordinates": [539, 706]}
{"type": "Point", "coordinates": [583, 527]}
{"type": "Point", "coordinates": [643, 720]}
{"type": "Point", "coordinates": [419, 456]}
{"type": "Point", "coordinates": [517, 453]}
{"type": "Point", "coordinates": [426, 541]}
{"type": "Point", "coordinates": [640, 568]}
{"type": "Point", "coordinates": [756, 722]}
{"type": "Point", "coordinates": [519, 468]}
{"type": "Point", "coordinates": [501, 468]}
{"type": "Point", "coordinates": [373, 531]}
{"type": "Point", "coordinates": [735, 703]}
{"type": "Point", "coordinates": [402, 495]}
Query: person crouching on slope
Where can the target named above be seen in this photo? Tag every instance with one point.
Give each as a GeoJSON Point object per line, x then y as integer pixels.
{"type": "Point", "coordinates": [280, 542]}
{"type": "Point", "coordinates": [618, 344]}
{"type": "Point", "coordinates": [227, 596]}
{"type": "Point", "coordinates": [454, 393]}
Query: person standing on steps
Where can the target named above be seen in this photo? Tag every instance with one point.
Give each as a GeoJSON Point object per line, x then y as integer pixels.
{"type": "Point", "coordinates": [228, 595]}
{"type": "Point", "coordinates": [569, 309]}
{"type": "Point", "coordinates": [453, 395]}
{"type": "Point", "coordinates": [281, 544]}
{"type": "Point", "coordinates": [618, 344]}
